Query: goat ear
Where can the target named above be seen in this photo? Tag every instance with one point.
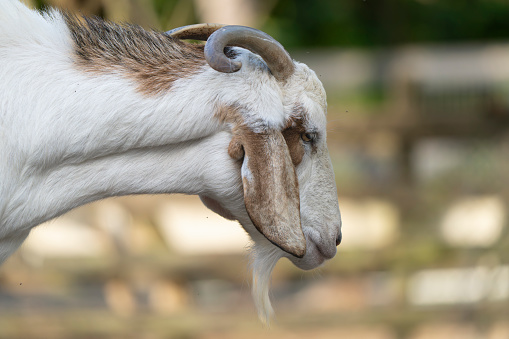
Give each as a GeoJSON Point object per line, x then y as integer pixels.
{"type": "Point", "coordinates": [271, 191]}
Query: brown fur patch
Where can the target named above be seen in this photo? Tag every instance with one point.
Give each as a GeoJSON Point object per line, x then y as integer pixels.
{"type": "Point", "coordinates": [230, 114]}
{"type": "Point", "coordinates": [292, 133]}
{"type": "Point", "coordinates": [152, 59]}
{"type": "Point", "coordinates": [293, 140]}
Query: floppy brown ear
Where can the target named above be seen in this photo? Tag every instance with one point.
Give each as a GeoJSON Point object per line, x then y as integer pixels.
{"type": "Point", "coordinates": [271, 191]}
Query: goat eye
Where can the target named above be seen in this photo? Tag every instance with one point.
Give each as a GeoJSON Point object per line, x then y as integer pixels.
{"type": "Point", "coordinates": [307, 137]}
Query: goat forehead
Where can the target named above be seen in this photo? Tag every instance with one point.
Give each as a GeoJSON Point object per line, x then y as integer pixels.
{"type": "Point", "coordinates": [307, 98]}
{"type": "Point", "coordinates": [309, 84]}
{"type": "Point", "coordinates": [316, 115]}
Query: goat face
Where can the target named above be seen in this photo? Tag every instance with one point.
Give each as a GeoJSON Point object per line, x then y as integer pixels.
{"type": "Point", "coordinates": [288, 191]}
{"type": "Point", "coordinates": [319, 211]}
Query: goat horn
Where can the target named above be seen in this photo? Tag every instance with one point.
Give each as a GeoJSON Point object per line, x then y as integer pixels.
{"type": "Point", "coordinates": [273, 53]}
{"type": "Point", "coordinates": [195, 32]}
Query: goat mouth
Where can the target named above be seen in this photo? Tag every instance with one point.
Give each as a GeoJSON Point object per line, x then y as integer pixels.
{"type": "Point", "coordinates": [326, 254]}
{"type": "Point", "coordinates": [312, 259]}
{"type": "Point", "coordinates": [326, 250]}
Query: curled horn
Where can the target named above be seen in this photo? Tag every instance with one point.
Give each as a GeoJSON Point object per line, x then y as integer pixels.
{"type": "Point", "coordinates": [220, 36]}
{"type": "Point", "coordinates": [273, 53]}
{"type": "Point", "coordinates": [196, 32]}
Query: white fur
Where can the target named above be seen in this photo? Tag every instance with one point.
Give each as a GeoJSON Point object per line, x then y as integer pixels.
{"type": "Point", "coordinates": [244, 170]}
{"type": "Point", "coordinates": [68, 138]}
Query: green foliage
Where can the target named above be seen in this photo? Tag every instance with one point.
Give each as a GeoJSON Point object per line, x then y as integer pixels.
{"type": "Point", "coordinates": [388, 22]}
{"type": "Point", "coordinates": [304, 23]}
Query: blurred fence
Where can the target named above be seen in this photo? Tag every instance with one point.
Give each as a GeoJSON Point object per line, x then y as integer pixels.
{"type": "Point", "coordinates": [420, 144]}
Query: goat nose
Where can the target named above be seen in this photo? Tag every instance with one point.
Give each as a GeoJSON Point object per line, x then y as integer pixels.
{"type": "Point", "coordinates": [339, 238]}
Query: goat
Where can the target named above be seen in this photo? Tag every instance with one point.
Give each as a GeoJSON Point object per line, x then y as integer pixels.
{"type": "Point", "coordinates": [91, 110]}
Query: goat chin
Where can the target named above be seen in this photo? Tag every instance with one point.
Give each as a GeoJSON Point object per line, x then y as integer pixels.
{"type": "Point", "coordinates": [264, 257]}
{"type": "Point", "coordinates": [263, 260]}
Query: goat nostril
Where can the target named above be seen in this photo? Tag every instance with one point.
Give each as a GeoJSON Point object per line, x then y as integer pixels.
{"type": "Point", "coordinates": [339, 238]}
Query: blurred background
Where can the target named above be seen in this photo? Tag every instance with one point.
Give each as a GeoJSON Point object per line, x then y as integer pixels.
{"type": "Point", "coordinates": [418, 94]}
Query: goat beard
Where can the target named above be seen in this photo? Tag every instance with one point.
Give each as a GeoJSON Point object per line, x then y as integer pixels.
{"type": "Point", "coordinates": [263, 261]}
